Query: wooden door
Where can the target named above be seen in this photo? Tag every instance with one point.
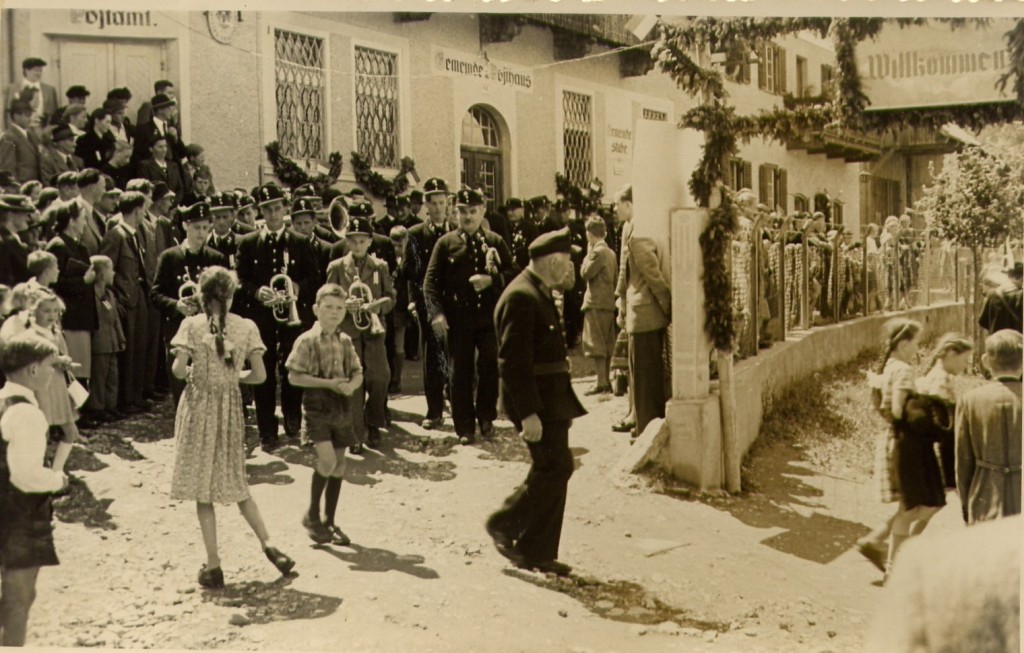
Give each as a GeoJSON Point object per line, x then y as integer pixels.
{"type": "Point", "coordinates": [483, 170]}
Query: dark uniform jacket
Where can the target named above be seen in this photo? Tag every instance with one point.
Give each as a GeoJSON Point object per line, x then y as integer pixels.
{"type": "Point", "coordinates": [13, 259]}
{"type": "Point", "coordinates": [257, 262]}
{"type": "Point", "coordinates": [175, 267]}
{"type": "Point", "coordinates": [522, 234]}
{"type": "Point", "coordinates": [226, 245]}
{"type": "Point", "coordinates": [446, 286]}
{"type": "Point", "coordinates": [533, 369]}
{"type": "Point", "coordinates": [78, 296]}
{"type": "Point", "coordinates": [374, 273]}
{"type": "Point", "coordinates": [418, 249]}
{"type": "Point", "coordinates": [384, 225]}
{"type": "Point", "coordinates": [146, 134]}
{"type": "Point", "coordinates": [380, 246]}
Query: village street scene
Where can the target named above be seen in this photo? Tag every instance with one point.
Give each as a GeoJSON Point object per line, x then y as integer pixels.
{"type": "Point", "coordinates": [461, 329]}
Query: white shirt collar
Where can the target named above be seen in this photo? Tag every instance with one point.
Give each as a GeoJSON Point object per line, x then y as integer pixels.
{"type": "Point", "coordinates": [127, 227]}
{"type": "Point", "coordinates": [12, 389]}
{"type": "Point", "coordinates": [279, 233]}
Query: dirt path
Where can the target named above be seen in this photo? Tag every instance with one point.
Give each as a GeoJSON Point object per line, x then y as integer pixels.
{"type": "Point", "coordinates": [658, 570]}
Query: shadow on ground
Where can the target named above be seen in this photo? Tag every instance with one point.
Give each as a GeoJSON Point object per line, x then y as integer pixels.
{"type": "Point", "coordinates": [617, 600]}
{"type": "Point", "coordinates": [269, 602]}
{"type": "Point", "coordinates": [361, 558]}
{"type": "Point", "coordinates": [80, 506]}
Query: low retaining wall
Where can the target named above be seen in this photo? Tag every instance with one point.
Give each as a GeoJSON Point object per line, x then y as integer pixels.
{"type": "Point", "coordinates": [804, 353]}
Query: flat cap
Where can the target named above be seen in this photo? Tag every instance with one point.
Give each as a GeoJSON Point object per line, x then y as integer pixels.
{"type": "Point", "coordinates": [32, 62]}
{"type": "Point", "coordinates": [434, 185]}
{"type": "Point", "coordinates": [469, 197]}
{"type": "Point", "coordinates": [360, 210]}
{"type": "Point", "coordinates": [77, 91]}
{"type": "Point", "coordinates": [17, 204]}
{"type": "Point", "coordinates": [552, 242]}
{"type": "Point", "coordinates": [160, 190]}
{"type": "Point", "coordinates": [268, 193]}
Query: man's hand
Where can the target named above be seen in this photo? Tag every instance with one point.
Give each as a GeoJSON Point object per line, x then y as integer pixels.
{"type": "Point", "coordinates": [90, 275]}
{"type": "Point", "coordinates": [481, 282]}
{"type": "Point", "coordinates": [353, 304]}
{"type": "Point", "coordinates": [411, 308]}
{"type": "Point", "coordinates": [186, 307]}
{"type": "Point", "coordinates": [620, 319]}
{"type": "Point", "coordinates": [265, 294]}
{"type": "Point", "coordinates": [532, 428]}
{"type": "Point", "coordinates": [440, 326]}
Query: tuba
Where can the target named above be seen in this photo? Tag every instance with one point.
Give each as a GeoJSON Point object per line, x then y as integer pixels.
{"type": "Point", "coordinates": [285, 302]}
{"type": "Point", "coordinates": [362, 317]}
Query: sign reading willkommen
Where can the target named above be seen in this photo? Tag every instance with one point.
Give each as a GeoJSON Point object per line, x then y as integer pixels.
{"type": "Point", "coordinates": [932, 65]}
{"type": "Point", "coordinates": [453, 63]}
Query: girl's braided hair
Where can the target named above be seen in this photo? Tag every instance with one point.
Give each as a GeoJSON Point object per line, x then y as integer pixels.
{"type": "Point", "coordinates": [216, 287]}
{"type": "Point", "coordinates": [951, 341]}
{"type": "Point", "coordinates": [894, 332]}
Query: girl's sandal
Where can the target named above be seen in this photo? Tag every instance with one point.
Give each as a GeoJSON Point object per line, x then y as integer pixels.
{"type": "Point", "coordinates": [283, 563]}
{"type": "Point", "coordinates": [211, 578]}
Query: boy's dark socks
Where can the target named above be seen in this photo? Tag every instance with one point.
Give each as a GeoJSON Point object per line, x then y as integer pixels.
{"type": "Point", "coordinates": [317, 486]}
{"type": "Point", "coordinates": [331, 499]}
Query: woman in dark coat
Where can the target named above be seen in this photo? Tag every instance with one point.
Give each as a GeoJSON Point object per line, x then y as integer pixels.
{"type": "Point", "coordinates": [74, 285]}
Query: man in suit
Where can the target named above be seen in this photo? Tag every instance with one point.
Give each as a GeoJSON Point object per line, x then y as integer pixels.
{"type": "Point", "coordinates": [122, 243]}
{"type": "Point", "coordinates": [19, 145]}
{"type": "Point", "coordinates": [160, 126]}
{"type": "Point", "coordinates": [59, 155]}
{"type": "Point", "coordinates": [644, 301]}
{"type": "Point", "coordinates": [42, 97]}
{"type": "Point", "coordinates": [158, 168]}
{"type": "Point", "coordinates": [145, 114]}
{"type": "Point", "coordinates": [540, 207]}
{"type": "Point", "coordinates": [468, 269]}
{"type": "Point", "coordinates": [384, 224]}
{"type": "Point", "coordinates": [120, 124]}
{"type": "Point", "coordinates": [178, 265]}
{"type": "Point", "coordinates": [419, 248]}
{"type": "Point", "coordinates": [15, 214]}
{"type": "Point", "coordinates": [77, 95]}
{"type": "Point", "coordinates": [91, 187]}
{"type": "Point", "coordinates": [537, 394]}
{"type": "Point", "coordinates": [261, 255]}
{"type": "Point", "coordinates": [415, 206]}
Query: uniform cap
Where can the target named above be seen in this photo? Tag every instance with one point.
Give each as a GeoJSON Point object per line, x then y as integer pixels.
{"type": "Point", "coordinates": [552, 242]}
{"type": "Point", "coordinates": [539, 201]}
{"type": "Point", "coordinates": [246, 200]}
{"type": "Point", "coordinates": [196, 212]}
{"type": "Point", "coordinates": [514, 203]}
{"type": "Point", "coordinates": [306, 190]}
{"type": "Point", "coordinates": [268, 193]}
{"type": "Point", "coordinates": [225, 201]}
{"type": "Point", "coordinates": [161, 100]}
{"type": "Point", "coordinates": [356, 192]}
{"type": "Point", "coordinates": [67, 178]}
{"type": "Point", "coordinates": [403, 200]}
{"type": "Point", "coordinates": [416, 197]}
{"type": "Point", "coordinates": [434, 185]}
{"type": "Point", "coordinates": [360, 210]}
{"type": "Point", "coordinates": [16, 204]}
{"type": "Point", "coordinates": [359, 225]}
{"type": "Point", "coordinates": [469, 197]}
{"type": "Point", "coordinates": [303, 206]}
{"type": "Point", "coordinates": [77, 91]}
{"type": "Point", "coordinates": [391, 201]}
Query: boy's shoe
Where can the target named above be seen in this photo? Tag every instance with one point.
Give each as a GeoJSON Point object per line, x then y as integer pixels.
{"type": "Point", "coordinates": [212, 579]}
{"type": "Point", "coordinates": [337, 535]}
{"type": "Point", "coordinates": [283, 563]}
{"type": "Point", "coordinates": [356, 449]}
{"type": "Point", "coordinates": [431, 423]}
{"type": "Point", "coordinates": [316, 530]}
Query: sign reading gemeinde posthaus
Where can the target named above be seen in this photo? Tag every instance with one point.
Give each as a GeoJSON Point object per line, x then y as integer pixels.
{"type": "Point", "coordinates": [453, 63]}
{"type": "Point", "coordinates": [933, 65]}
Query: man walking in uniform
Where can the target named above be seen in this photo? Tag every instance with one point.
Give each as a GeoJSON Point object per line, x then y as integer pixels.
{"type": "Point", "coordinates": [420, 246]}
{"type": "Point", "coordinates": [262, 255]}
{"type": "Point", "coordinates": [467, 272]}
{"type": "Point", "coordinates": [537, 394]}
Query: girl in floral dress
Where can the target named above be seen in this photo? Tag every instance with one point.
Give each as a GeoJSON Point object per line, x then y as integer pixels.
{"type": "Point", "coordinates": [210, 350]}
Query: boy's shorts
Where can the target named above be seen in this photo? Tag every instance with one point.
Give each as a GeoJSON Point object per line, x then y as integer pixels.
{"type": "Point", "coordinates": [334, 427]}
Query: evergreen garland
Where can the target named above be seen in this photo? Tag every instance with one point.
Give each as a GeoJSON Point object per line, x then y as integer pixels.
{"type": "Point", "coordinates": [376, 183]}
{"type": "Point", "coordinates": [578, 198]}
{"type": "Point", "coordinates": [714, 243]}
{"type": "Point", "coordinates": [293, 175]}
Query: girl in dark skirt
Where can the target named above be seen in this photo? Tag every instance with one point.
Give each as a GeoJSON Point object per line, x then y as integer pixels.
{"type": "Point", "coordinates": [950, 359]}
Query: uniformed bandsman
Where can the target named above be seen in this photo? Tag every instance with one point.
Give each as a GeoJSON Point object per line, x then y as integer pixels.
{"type": "Point", "coordinates": [468, 269]}
{"type": "Point", "coordinates": [245, 215]}
{"type": "Point", "coordinates": [541, 208]}
{"type": "Point", "coordinates": [222, 235]}
{"type": "Point", "coordinates": [419, 247]}
{"type": "Point", "coordinates": [521, 231]}
{"type": "Point", "coordinates": [371, 296]}
{"type": "Point", "coordinates": [263, 256]}
{"type": "Point", "coordinates": [176, 291]}
{"type": "Point", "coordinates": [380, 245]}
{"type": "Point", "coordinates": [304, 225]}
{"type": "Point", "coordinates": [321, 225]}
{"type": "Point", "coordinates": [384, 224]}
{"type": "Point", "coordinates": [537, 394]}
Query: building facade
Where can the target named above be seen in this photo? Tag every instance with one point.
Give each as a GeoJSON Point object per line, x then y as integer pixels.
{"type": "Point", "coordinates": [486, 100]}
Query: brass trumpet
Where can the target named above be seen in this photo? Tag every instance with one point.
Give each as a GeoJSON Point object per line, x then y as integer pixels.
{"type": "Point", "coordinates": [362, 317]}
{"type": "Point", "coordinates": [188, 293]}
{"type": "Point", "coordinates": [285, 302]}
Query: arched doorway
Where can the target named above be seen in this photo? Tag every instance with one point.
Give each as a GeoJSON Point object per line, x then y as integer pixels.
{"type": "Point", "coordinates": [482, 155]}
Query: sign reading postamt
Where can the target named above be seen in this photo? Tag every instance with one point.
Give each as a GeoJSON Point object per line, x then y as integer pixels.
{"type": "Point", "coordinates": [453, 63]}
{"type": "Point", "coordinates": [932, 65]}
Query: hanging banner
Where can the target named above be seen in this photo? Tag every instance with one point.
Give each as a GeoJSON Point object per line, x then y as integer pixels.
{"type": "Point", "coordinates": [932, 65]}
{"type": "Point", "coordinates": [453, 63]}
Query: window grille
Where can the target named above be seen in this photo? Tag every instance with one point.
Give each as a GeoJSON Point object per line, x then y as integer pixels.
{"type": "Point", "coordinates": [577, 139]}
{"type": "Point", "coordinates": [651, 114]}
{"type": "Point", "coordinates": [376, 93]}
{"type": "Point", "coordinates": [480, 130]}
{"type": "Point", "coordinates": [301, 92]}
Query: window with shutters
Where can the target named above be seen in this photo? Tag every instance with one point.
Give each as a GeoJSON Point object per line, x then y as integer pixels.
{"type": "Point", "coordinates": [771, 73]}
{"type": "Point", "coordinates": [738, 174]}
{"type": "Point", "coordinates": [301, 90]}
{"type": "Point", "coordinates": [802, 83]}
{"type": "Point", "coordinates": [828, 76]}
{"type": "Point", "coordinates": [800, 203]}
{"type": "Point", "coordinates": [577, 137]}
{"type": "Point", "coordinates": [772, 184]}
{"type": "Point", "coordinates": [377, 106]}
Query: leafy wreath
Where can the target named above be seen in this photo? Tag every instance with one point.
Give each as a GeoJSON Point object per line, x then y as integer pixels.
{"type": "Point", "coordinates": [582, 199]}
{"type": "Point", "coordinates": [724, 129]}
{"type": "Point", "coordinates": [294, 176]}
{"type": "Point", "coordinates": [376, 183]}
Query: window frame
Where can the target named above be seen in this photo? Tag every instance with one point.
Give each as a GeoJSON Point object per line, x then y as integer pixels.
{"type": "Point", "coordinates": [403, 131]}
{"type": "Point", "coordinates": [562, 89]}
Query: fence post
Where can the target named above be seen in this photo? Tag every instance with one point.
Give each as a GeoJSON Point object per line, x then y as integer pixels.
{"type": "Point", "coordinates": [783, 307]}
{"type": "Point", "coordinates": [805, 283]}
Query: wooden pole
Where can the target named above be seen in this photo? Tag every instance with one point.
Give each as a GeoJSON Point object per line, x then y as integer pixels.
{"type": "Point", "coordinates": [727, 391]}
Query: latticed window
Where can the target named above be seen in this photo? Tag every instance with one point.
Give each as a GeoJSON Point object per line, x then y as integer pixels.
{"type": "Point", "coordinates": [479, 129]}
{"type": "Point", "coordinates": [301, 92]}
{"type": "Point", "coordinates": [377, 106]}
{"type": "Point", "coordinates": [577, 138]}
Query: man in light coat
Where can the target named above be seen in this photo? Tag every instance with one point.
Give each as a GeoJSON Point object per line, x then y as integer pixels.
{"type": "Point", "coordinates": [644, 301]}
{"type": "Point", "coordinates": [42, 98]}
{"type": "Point", "coordinates": [19, 145]}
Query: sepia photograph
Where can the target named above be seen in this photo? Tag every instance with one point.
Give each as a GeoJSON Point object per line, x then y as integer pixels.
{"type": "Point", "coordinates": [516, 326]}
